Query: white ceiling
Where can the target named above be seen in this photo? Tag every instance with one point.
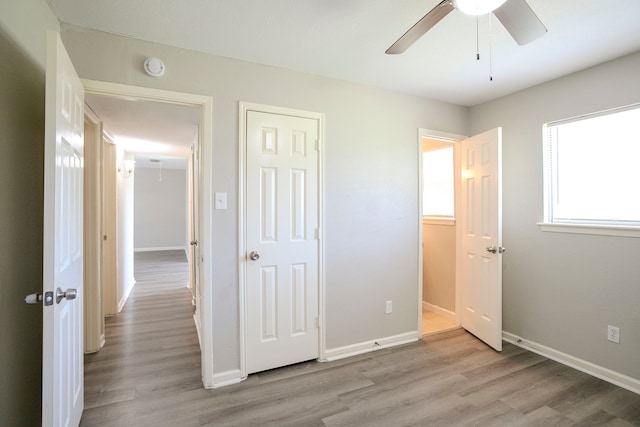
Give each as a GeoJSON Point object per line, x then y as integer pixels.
{"type": "Point", "coordinates": [346, 39]}
{"type": "Point", "coordinates": [158, 134]}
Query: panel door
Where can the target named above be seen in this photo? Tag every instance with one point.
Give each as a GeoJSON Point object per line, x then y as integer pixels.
{"type": "Point", "coordinates": [62, 366]}
{"type": "Point", "coordinates": [281, 240]}
{"type": "Point", "coordinates": [482, 236]}
{"type": "Point", "coordinates": [194, 232]}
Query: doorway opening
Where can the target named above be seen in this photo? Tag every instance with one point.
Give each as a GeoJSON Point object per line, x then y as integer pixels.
{"type": "Point", "coordinates": [439, 166]}
{"type": "Point", "coordinates": [156, 138]}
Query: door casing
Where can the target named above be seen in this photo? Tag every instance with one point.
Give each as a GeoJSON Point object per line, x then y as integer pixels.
{"type": "Point", "coordinates": [243, 108]}
{"type": "Point", "coordinates": [205, 104]}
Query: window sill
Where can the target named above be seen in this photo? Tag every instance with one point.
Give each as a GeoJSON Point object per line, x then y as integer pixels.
{"type": "Point", "coordinates": [438, 221]}
{"type": "Point", "coordinates": [601, 230]}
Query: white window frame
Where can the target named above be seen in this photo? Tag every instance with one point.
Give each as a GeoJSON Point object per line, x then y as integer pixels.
{"type": "Point", "coordinates": [595, 228]}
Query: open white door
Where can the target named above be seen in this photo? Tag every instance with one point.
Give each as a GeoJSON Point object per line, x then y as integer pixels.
{"type": "Point", "coordinates": [62, 362]}
{"type": "Point", "coordinates": [194, 253]}
{"type": "Point", "coordinates": [481, 231]}
{"type": "Point", "coordinates": [282, 226]}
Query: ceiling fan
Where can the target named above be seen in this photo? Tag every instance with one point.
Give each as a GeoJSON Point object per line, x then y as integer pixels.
{"type": "Point", "coordinates": [515, 15]}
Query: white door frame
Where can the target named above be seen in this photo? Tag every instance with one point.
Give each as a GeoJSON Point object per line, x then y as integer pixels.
{"type": "Point", "coordinates": [455, 139]}
{"type": "Point", "coordinates": [244, 107]}
{"type": "Point", "coordinates": [205, 103]}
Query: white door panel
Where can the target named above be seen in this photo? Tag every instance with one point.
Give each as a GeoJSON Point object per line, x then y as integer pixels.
{"type": "Point", "coordinates": [62, 367]}
{"type": "Point", "coordinates": [194, 232]}
{"type": "Point", "coordinates": [481, 235]}
{"type": "Point", "coordinates": [281, 226]}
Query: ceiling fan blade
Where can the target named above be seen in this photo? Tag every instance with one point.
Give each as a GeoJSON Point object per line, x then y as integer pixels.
{"type": "Point", "coordinates": [421, 27]}
{"type": "Point", "coordinates": [520, 21]}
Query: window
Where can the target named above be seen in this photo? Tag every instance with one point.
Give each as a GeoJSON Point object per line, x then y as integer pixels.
{"type": "Point", "coordinates": [437, 185]}
{"type": "Point", "coordinates": [591, 172]}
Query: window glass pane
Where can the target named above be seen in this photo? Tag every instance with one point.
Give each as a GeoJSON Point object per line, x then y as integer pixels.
{"type": "Point", "coordinates": [594, 169]}
{"type": "Point", "coordinates": [438, 196]}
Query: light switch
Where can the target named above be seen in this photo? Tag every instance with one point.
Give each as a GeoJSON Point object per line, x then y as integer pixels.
{"type": "Point", "coordinates": [221, 200]}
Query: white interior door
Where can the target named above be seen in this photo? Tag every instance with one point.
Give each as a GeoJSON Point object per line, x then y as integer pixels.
{"type": "Point", "coordinates": [482, 236]}
{"type": "Point", "coordinates": [194, 274]}
{"type": "Point", "coordinates": [62, 365]}
{"type": "Point", "coordinates": [282, 220]}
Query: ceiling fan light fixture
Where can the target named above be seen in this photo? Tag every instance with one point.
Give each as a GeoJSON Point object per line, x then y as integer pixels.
{"type": "Point", "coordinates": [477, 7]}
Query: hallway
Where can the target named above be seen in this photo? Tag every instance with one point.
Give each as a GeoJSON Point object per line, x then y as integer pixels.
{"type": "Point", "coordinates": [151, 355]}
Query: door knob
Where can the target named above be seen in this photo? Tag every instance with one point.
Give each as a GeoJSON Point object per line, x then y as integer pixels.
{"type": "Point", "coordinates": [494, 249]}
{"type": "Point", "coordinates": [69, 294]}
{"type": "Point", "coordinates": [193, 243]}
{"type": "Point", "coordinates": [254, 255]}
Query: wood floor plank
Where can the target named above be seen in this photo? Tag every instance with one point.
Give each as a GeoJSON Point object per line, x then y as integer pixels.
{"type": "Point", "coordinates": [148, 374]}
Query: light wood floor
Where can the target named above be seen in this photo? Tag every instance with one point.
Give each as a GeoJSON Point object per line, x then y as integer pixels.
{"type": "Point", "coordinates": [433, 323]}
{"type": "Point", "coordinates": [148, 374]}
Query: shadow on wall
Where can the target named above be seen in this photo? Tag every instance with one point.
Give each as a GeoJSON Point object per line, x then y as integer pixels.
{"type": "Point", "coordinates": [22, 93]}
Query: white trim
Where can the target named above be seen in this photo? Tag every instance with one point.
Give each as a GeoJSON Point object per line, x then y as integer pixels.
{"type": "Point", "coordinates": [242, 155]}
{"type": "Point", "coordinates": [371, 345]}
{"type": "Point", "coordinates": [127, 292]}
{"type": "Point", "coordinates": [439, 310]}
{"type": "Point", "coordinates": [597, 371]}
{"type": "Point", "coordinates": [594, 115]}
{"type": "Point", "coordinates": [600, 230]}
{"type": "Point", "coordinates": [436, 221]}
{"type": "Point", "coordinates": [196, 320]}
{"type": "Point", "coordinates": [243, 108]}
{"type": "Point", "coordinates": [223, 379]}
{"type": "Point", "coordinates": [441, 136]}
{"type": "Point", "coordinates": [420, 231]}
{"type": "Point", "coordinates": [205, 103]}
{"type": "Point", "coordinates": [161, 248]}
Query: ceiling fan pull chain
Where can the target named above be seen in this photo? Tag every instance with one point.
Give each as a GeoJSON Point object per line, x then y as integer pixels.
{"type": "Point", "coordinates": [477, 38]}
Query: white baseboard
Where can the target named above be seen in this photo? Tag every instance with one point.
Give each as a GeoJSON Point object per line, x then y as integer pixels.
{"type": "Point", "coordinates": [127, 292]}
{"type": "Point", "coordinates": [196, 320]}
{"type": "Point", "coordinates": [367, 346]}
{"type": "Point", "coordinates": [226, 378]}
{"type": "Point", "coordinates": [439, 310]}
{"type": "Point", "coordinates": [597, 371]}
{"type": "Point", "coordinates": [160, 248]}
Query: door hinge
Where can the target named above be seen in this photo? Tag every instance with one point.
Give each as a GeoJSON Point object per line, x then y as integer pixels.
{"type": "Point", "coordinates": [316, 234]}
{"type": "Point", "coordinates": [317, 322]}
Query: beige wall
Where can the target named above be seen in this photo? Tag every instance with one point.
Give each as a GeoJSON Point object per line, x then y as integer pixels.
{"type": "Point", "coordinates": [160, 209]}
{"type": "Point", "coordinates": [439, 266]}
{"type": "Point", "coordinates": [371, 178]}
{"type": "Point", "coordinates": [23, 28]}
{"type": "Point", "coordinates": [562, 290]}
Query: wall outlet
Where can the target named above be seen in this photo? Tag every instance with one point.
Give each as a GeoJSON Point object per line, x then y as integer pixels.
{"type": "Point", "coordinates": [389, 307]}
{"type": "Point", "coordinates": [613, 334]}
